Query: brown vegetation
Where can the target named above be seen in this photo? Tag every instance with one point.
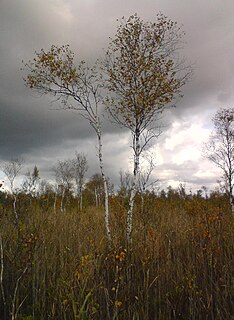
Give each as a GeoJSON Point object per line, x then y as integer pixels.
{"type": "Point", "coordinates": [58, 265]}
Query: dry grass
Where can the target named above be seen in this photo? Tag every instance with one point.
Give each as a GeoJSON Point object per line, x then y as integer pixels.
{"type": "Point", "coordinates": [179, 267]}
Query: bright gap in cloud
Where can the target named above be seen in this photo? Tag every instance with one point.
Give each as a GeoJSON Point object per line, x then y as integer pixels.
{"type": "Point", "coordinates": [185, 141]}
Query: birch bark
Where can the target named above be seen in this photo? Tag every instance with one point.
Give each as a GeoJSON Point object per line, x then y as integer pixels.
{"type": "Point", "coordinates": [106, 206]}
{"type": "Point", "coordinates": [135, 184]}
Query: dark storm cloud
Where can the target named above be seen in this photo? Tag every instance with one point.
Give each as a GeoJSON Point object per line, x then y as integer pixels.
{"type": "Point", "coordinates": [26, 120]}
{"type": "Point", "coordinates": [27, 125]}
{"type": "Point", "coordinates": [24, 126]}
{"type": "Point", "coordinates": [26, 129]}
{"type": "Point", "coordinates": [210, 47]}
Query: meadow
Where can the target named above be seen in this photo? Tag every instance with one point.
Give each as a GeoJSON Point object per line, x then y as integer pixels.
{"type": "Point", "coordinates": [57, 265]}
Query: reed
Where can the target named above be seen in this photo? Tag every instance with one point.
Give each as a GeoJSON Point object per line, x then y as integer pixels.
{"type": "Point", "coordinates": [58, 266]}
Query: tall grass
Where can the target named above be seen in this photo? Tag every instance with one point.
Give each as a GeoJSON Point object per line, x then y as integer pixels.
{"type": "Point", "coordinates": [58, 265]}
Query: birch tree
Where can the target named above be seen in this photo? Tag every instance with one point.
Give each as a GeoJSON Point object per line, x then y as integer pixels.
{"type": "Point", "coordinates": [53, 72]}
{"type": "Point", "coordinates": [80, 167]}
{"type": "Point", "coordinates": [31, 180]}
{"type": "Point", "coordinates": [12, 170]}
{"type": "Point", "coordinates": [64, 174]}
{"type": "Point", "coordinates": [220, 148]}
{"type": "Point", "coordinates": [96, 189]}
{"type": "Point", "coordinates": [125, 183]}
{"type": "Point", "coordinates": [144, 75]}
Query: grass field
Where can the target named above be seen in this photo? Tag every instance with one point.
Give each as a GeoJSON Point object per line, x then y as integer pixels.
{"type": "Point", "coordinates": [58, 265]}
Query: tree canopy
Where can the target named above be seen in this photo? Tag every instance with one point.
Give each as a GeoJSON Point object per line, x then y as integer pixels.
{"type": "Point", "coordinates": [144, 70]}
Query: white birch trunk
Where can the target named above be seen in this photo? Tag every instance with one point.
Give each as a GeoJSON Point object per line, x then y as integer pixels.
{"type": "Point", "coordinates": [14, 208]}
{"type": "Point", "coordinates": [80, 197]}
{"type": "Point", "coordinates": [81, 201]}
{"type": "Point", "coordinates": [96, 197]}
{"type": "Point", "coordinates": [55, 201]}
{"type": "Point", "coordinates": [231, 202]}
{"type": "Point", "coordinates": [107, 215]}
{"type": "Point", "coordinates": [134, 189]}
{"type": "Point", "coordinates": [230, 190]}
{"type": "Point", "coordinates": [62, 200]}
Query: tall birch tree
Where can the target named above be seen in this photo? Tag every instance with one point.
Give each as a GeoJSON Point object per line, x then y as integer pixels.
{"type": "Point", "coordinates": [144, 75]}
{"type": "Point", "coordinates": [77, 87]}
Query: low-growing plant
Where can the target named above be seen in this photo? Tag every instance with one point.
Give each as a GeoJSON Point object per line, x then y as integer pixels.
{"type": "Point", "coordinates": [59, 266]}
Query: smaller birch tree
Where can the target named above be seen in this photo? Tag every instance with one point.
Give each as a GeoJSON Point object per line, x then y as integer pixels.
{"type": "Point", "coordinates": [77, 87]}
{"type": "Point", "coordinates": [12, 170]}
{"type": "Point", "coordinates": [144, 74]}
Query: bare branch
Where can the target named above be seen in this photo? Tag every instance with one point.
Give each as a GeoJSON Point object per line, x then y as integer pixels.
{"type": "Point", "coordinates": [78, 87]}
{"type": "Point", "coordinates": [220, 147]}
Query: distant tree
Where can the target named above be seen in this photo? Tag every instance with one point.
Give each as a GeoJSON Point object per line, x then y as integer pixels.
{"type": "Point", "coordinates": [205, 190]}
{"type": "Point", "coordinates": [171, 193]}
{"type": "Point", "coordinates": [182, 190]}
{"type": "Point", "coordinates": [53, 72]}
{"type": "Point", "coordinates": [30, 181]}
{"type": "Point", "coordinates": [144, 75]}
{"type": "Point", "coordinates": [95, 188]}
{"type": "Point", "coordinates": [80, 167]}
{"type": "Point", "coordinates": [220, 148]}
{"type": "Point", "coordinates": [145, 174]}
{"type": "Point", "coordinates": [199, 193]}
{"type": "Point", "coordinates": [44, 187]}
{"type": "Point", "coordinates": [12, 170]}
{"type": "Point", "coordinates": [163, 194]}
{"type": "Point", "coordinates": [144, 179]}
{"type": "Point", "coordinates": [125, 186]}
{"type": "Point", "coordinates": [64, 173]}
{"type": "Point", "coordinates": [47, 193]}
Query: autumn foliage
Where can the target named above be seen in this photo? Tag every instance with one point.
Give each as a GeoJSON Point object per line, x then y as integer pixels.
{"type": "Point", "coordinates": [180, 265]}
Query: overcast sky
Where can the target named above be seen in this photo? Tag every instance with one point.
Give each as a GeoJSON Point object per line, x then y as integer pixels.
{"type": "Point", "coordinates": [31, 129]}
